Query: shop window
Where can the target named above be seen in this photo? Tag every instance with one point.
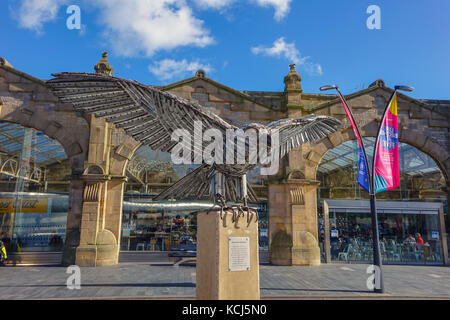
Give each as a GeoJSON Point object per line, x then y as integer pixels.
{"type": "Point", "coordinates": [33, 190]}
{"type": "Point", "coordinates": [421, 182]}
{"type": "Point", "coordinates": [165, 225]}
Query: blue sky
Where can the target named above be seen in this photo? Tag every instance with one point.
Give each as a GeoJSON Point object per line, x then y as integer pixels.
{"type": "Point", "coordinates": [245, 44]}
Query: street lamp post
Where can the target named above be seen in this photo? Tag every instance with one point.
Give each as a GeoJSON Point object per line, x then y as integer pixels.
{"type": "Point", "coordinates": [371, 179]}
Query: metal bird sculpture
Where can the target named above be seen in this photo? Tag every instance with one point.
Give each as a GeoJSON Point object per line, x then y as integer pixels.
{"type": "Point", "coordinates": [150, 116]}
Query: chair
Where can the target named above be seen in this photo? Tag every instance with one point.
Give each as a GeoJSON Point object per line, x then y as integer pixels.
{"type": "Point", "coordinates": [383, 249]}
{"type": "Point", "coordinates": [419, 254]}
{"type": "Point", "coordinates": [393, 251]}
{"type": "Point", "coordinates": [140, 246]}
{"type": "Point", "coordinates": [397, 252]}
{"type": "Point", "coordinates": [348, 250]}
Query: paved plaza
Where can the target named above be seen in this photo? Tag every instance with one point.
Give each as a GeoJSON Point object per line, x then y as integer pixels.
{"type": "Point", "coordinates": [163, 281]}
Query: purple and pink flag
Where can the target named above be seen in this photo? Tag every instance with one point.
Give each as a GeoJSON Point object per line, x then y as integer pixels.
{"type": "Point", "coordinates": [387, 171]}
{"type": "Point", "coordinates": [363, 176]}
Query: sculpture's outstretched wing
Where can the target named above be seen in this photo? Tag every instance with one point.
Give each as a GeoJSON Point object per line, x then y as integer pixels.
{"type": "Point", "coordinates": [144, 112]}
{"type": "Point", "coordinates": [296, 131]}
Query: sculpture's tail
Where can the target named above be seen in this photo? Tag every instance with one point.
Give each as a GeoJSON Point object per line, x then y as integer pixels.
{"type": "Point", "coordinates": [197, 185]}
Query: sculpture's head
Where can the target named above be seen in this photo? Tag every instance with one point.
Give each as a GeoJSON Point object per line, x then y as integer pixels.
{"type": "Point", "coordinates": [261, 132]}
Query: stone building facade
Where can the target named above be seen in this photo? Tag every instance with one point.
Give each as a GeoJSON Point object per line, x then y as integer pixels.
{"type": "Point", "coordinates": [98, 153]}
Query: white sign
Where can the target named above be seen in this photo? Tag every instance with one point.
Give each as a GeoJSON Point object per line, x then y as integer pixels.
{"type": "Point", "coordinates": [263, 232]}
{"type": "Point", "coordinates": [435, 235]}
{"type": "Point", "coordinates": [126, 232]}
{"type": "Point", "coordinates": [238, 253]}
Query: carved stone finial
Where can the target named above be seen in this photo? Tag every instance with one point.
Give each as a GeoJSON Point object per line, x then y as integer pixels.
{"type": "Point", "coordinates": [292, 67]}
{"type": "Point", "coordinates": [293, 80]}
{"type": "Point", "coordinates": [200, 74]}
{"type": "Point", "coordinates": [103, 65]}
{"type": "Point", "coordinates": [4, 62]}
{"type": "Point", "coordinates": [378, 83]}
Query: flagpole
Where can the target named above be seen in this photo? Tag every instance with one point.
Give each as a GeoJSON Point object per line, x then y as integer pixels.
{"type": "Point", "coordinates": [373, 209]}
{"type": "Point", "coordinates": [377, 261]}
{"type": "Point", "coordinates": [371, 177]}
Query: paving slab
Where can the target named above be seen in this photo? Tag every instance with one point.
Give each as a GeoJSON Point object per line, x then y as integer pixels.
{"type": "Point", "coordinates": [162, 281]}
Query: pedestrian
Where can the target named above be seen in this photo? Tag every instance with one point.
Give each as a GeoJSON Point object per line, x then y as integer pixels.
{"type": "Point", "coordinates": [3, 255]}
{"type": "Point", "coordinates": [410, 241]}
{"type": "Point", "coordinates": [419, 241]}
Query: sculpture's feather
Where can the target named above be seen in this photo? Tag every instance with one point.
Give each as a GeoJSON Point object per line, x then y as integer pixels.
{"type": "Point", "coordinates": [197, 185]}
{"type": "Point", "coordinates": [297, 131]}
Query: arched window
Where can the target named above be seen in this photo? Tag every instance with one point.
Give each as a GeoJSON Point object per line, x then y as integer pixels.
{"type": "Point", "coordinates": [33, 190]}
{"type": "Point", "coordinates": [420, 177]}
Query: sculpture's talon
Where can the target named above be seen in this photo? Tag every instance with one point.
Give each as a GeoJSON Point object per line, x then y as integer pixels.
{"type": "Point", "coordinates": [225, 219]}
{"type": "Point", "coordinates": [235, 218]}
{"type": "Point", "coordinates": [249, 216]}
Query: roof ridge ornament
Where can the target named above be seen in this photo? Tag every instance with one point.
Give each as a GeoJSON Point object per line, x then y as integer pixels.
{"type": "Point", "coordinates": [200, 73]}
{"type": "Point", "coordinates": [103, 65]}
{"type": "Point", "coordinates": [378, 83]}
{"type": "Point", "coordinates": [4, 62]}
{"type": "Point", "coordinates": [293, 80]}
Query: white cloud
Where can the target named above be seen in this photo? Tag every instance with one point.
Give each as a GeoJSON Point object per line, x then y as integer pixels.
{"type": "Point", "coordinates": [131, 27]}
{"type": "Point", "coordinates": [168, 69]}
{"type": "Point", "coordinates": [213, 4]}
{"type": "Point", "coordinates": [145, 26]}
{"type": "Point", "coordinates": [280, 48]}
{"type": "Point", "coordinates": [32, 14]}
{"type": "Point", "coordinates": [283, 49]}
{"type": "Point", "coordinates": [282, 7]}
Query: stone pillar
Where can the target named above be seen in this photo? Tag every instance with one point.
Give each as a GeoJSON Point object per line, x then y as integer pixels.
{"type": "Point", "coordinates": [91, 221]}
{"type": "Point", "coordinates": [113, 217]}
{"type": "Point", "coordinates": [443, 236]}
{"type": "Point", "coordinates": [293, 93]}
{"type": "Point", "coordinates": [73, 226]}
{"type": "Point", "coordinates": [293, 226]}
{"type": "Point", "coordinates": [215, 281]}
{"type": "Point", "coordinates": [101, 209]}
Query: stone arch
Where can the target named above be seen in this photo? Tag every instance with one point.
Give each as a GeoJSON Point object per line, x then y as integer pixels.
{"type": "Point", "coordinates": [122, 155]}
{"type": "Point", "coordinates": [415, 138]}
{"type": "Point", "coordinates": [28, 102]}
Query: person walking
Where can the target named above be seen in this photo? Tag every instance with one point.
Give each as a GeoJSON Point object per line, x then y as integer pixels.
{"type": "Point", "coordinates": [419, 241]}
{"type": "Point", "coordinates": [3, 255]}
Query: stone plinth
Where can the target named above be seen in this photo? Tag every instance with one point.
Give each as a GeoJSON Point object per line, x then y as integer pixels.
{"type": "Point", "coordinates": [214, 279]}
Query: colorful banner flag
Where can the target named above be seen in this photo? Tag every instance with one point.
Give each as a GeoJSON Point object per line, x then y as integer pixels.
{"type": "Point", "coordinates": [363, 173]}
{"type": "Point", "coordinates": [387, 171]}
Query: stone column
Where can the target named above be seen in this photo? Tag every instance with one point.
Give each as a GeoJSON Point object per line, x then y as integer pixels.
{"type": "Point", "coordinates": [101, 210]}
{"type": "Point", "coordinates": [113, 216]}
{"type": "Point", "coordinates": [293, 226]}
{"type": "Point", "coordinates": [92, 220]}
{"type": "Point", "coordinates": [73, 226]}
{"type": "Point", "coordinates": [443, 235]}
